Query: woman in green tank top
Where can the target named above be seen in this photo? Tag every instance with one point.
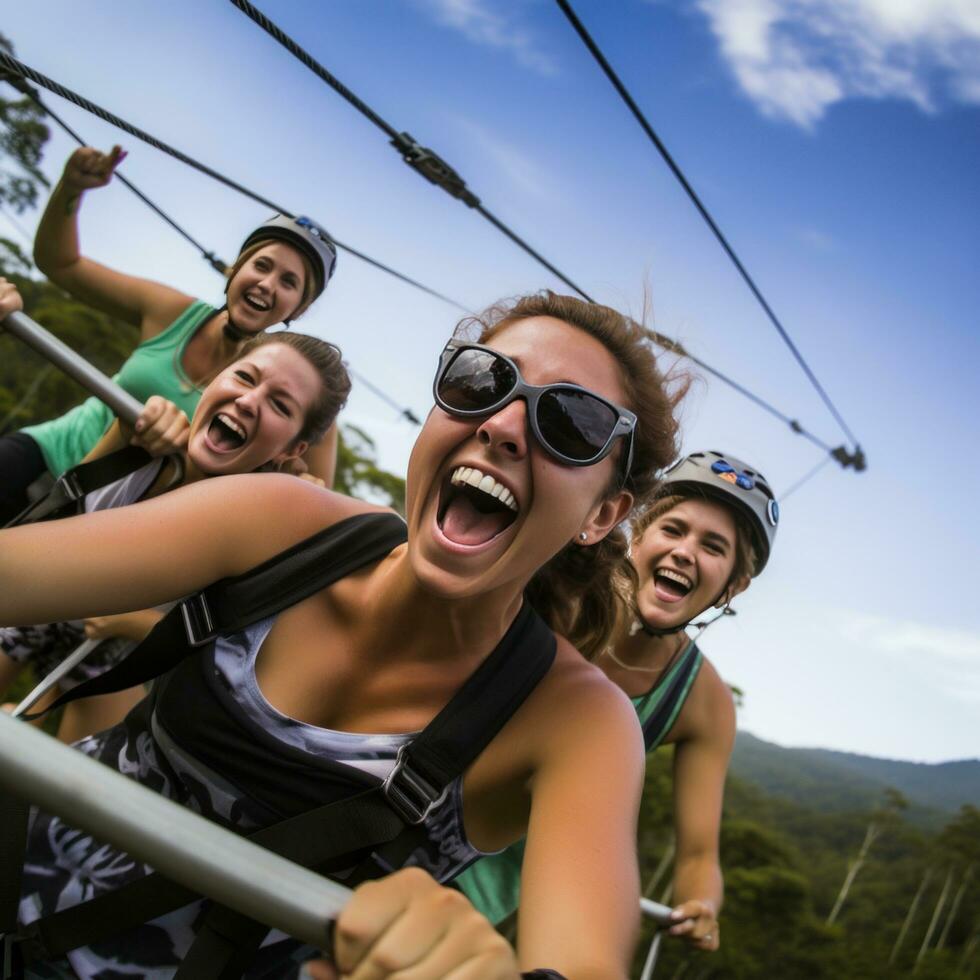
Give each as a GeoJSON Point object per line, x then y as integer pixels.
{"type": "Point", "coordinates": [698, 545]}
{"type": "Point", "coordinates": [283, 267]}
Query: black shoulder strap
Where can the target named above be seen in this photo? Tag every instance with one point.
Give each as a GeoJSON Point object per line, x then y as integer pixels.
{"type": "Point", "coordinates": [337, 835]}
{"type": "Point", "coordinates": [231, 604]}
{"type": "Point", "coordinates": [75, 483]}
{"type": "Point", "coordinates": [653, 727]}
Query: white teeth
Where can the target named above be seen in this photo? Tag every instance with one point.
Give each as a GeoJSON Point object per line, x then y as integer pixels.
{"type": "Point", "coordinates": [675, 577]}
{"type": "Point", "coordinates": [467, 475]}
{"type": "Point", "coordinates": [261, 303]}
{"type": "Point", "coordinates": [232, 424]}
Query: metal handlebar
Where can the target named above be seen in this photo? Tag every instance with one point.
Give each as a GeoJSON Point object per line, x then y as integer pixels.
{"type": "Point", "coordinates": [122, 403]}
{"type": "Point", "coordinates": [659, 913]}
{"type": "Point", "coordinates": [180, 844]}
{"type": "Point", "coordinates": [65, 667]}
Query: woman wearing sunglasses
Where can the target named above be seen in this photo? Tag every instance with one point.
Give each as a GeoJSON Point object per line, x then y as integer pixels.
{"type": "Point", "coordinates": [283, 266]}
{"type": "Point", "coordinates": [545, 431]}
{"type": "Point", "coordinates": [262, 411]}
{"type": "Point", "coordinates": [698, 545]}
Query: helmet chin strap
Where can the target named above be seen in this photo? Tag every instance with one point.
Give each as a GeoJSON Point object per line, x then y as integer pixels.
{"type": "Point", "coordinates": [231, 331]}
{"type": "Point", "coordinates": [671, 630]}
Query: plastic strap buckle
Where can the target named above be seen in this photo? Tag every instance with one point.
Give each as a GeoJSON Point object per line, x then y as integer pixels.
{"type": "Point", "coordinates": [413, 796]}
{"type": "Point", "coordinates": [198, 624]}
{"type": "Point", "coordinates": [70, 487]}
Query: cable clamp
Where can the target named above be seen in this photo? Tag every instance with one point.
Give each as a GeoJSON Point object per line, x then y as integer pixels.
{"type": "Point", "coordinates": [198, 624]}
{"type": "Point", "coordinates": [413, 796]}
{"type": "Point", "coordinates": [857, 459]}
{"type": "Point", "coordinates": [433, 168]}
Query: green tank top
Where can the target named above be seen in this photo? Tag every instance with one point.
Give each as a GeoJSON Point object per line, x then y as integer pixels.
{"type": "Point", "coordinates": [493, 884]}
{"type": "Point", "coordinates": [154, 368]}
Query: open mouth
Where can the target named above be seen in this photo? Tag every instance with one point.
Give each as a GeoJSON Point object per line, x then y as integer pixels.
{"type": "Point", "coordinates": [670, 585]}
{"type": "Point", "coordinates": [225, 434]}
{"type": "Point", "coordinates": [474, 507]}
{"type": "Point", "coordinates": [256, 302]}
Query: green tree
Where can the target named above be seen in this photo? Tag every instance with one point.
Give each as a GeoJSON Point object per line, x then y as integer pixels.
{"type": "Point", "coordinates": [23, 134]}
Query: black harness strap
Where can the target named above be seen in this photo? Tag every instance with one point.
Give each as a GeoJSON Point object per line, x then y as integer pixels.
{"type": "Point", "coordinates": [232, 604]}
{"type": "Point", "coordinates": [653, 727]}
{"type": "Point", "coordinates": [338, 835]}
{"type": "Point", "coordinates": [321, 839]}
{"type": "Point", "coordinates": [75, 483]}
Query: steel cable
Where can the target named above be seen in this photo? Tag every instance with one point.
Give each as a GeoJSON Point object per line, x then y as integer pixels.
{"type": "Point", "coordinates": [429, 164]}
{"type": "Point", "coordinates": [679, 174]}
{"type": "Point", "coordinates": [217, 264]}
{"type": "Point", "coordinates": [25, 71]}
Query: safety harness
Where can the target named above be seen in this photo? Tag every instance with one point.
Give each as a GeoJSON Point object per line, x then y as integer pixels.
{"type": "Point", "coordinates": [372, 831]}
{"type": "Point", "coordinates": [63, 499]}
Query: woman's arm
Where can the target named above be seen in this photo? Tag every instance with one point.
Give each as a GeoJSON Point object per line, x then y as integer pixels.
{"type": "Point", "coordinates": [579, 911]}
{"type": "Point", "coordinates": [159, 550]}
{"type": "Point", "coordinates": [149, 305]}
{"type": "Point", "coordinates": [700, 765]}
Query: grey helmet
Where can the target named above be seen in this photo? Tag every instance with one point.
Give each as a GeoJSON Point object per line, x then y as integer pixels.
{"type": "Point", "coordinates": [304, 234]}
{"type": "Point", "coordinates": [730, 481]}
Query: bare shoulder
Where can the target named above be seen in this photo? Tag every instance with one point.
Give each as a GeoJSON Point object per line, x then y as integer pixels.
{"type": "Point", "coordinates": [261, 514]}
{"type": "Point", "coordinates": [709, 713]}
{"type": "Point", "coordinates": [593, 709]}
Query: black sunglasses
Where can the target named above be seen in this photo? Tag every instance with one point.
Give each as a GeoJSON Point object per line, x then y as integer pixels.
{"type": "Point", "coordinates": [575, 425]}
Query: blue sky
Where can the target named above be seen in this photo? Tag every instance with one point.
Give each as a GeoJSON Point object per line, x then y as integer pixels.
{"type": "Point", "coordinates": [838, 146]}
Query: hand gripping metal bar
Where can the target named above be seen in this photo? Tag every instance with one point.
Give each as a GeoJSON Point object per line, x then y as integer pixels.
{"type": "Point", "coordinates": [180, 844]}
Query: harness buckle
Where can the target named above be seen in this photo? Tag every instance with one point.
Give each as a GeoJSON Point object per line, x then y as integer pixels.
{"type": "Point", "coordinates": [70, 486]}
{"type": "Point", "coordinates": [413, 796]}
{"type": "Point", "coordinates": [198, 624]}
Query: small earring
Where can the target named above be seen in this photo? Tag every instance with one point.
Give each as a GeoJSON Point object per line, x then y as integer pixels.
{"type": "Point", "coordinates": [582, 536]}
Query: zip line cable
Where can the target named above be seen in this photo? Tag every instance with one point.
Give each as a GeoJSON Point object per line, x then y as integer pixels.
{"type": "Point", "coordinates": [217, 264]}
{"type": "Point", "coordinates": [17, 73]}
{"type": "Point", "coordinates": [420, 158]}
{"type": "Point", "coordinates": [438, 172]}
{"type": "Point", "coordinates": [18, 68]}
{"type": "Point", "coordinates": [856, 457]}
{"type": "Point", "coordinates": [18, 83]}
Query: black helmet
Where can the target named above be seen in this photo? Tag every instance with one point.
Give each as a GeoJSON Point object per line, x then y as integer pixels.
{"type": "Point", "coordinates": [306, 235]}
{"type": "Point", "coordinates": [733, 482]}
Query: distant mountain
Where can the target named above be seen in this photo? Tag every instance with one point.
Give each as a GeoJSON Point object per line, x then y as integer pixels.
{"type": "Point", "coordinates": [833, 781]}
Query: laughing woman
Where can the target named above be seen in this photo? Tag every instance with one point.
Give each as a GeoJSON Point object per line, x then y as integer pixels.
{"type": "Point", "coordinates": [265, 409]}
{"type": "Point", "coordinates": [544, 432]}
{"type": "Point", "coordinates": [710, 530]}
{"type": "Point", "coordinates": [283, 266]}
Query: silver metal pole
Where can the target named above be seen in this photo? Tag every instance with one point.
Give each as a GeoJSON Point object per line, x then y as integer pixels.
{"type": "Point", "coordinates": [178, 843]}
{"type": "Point", "coordinates": [652, 954]}
{"type": "Point", "coordinates": [661, 915]}
{"type": "Point", "coordinates": [123, 404]}
{"type": "Point", "coordinates": [69, 663]}
{"type": "Point", "coordinates": [654, 910]}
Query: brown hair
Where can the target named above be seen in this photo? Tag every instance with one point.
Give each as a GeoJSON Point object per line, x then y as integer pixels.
{"type": "Point", "coordinates": [309, 278]}
{"type": "Point", "coordinates": [586, 593]}
{"type": "Point", "coordinates": [746, 556]}
{"type": "Point", "coordinates": [328, 363]}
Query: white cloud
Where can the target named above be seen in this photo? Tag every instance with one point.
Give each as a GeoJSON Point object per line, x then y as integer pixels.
{"type": "Point", "coordinates": [946, 657]}
{"type": "Point", "coordinates": [484, 23]}
{"type": "Point", "coordinates": [795, 58]}
{"type": "Point", "coordinates": [907, 636]}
